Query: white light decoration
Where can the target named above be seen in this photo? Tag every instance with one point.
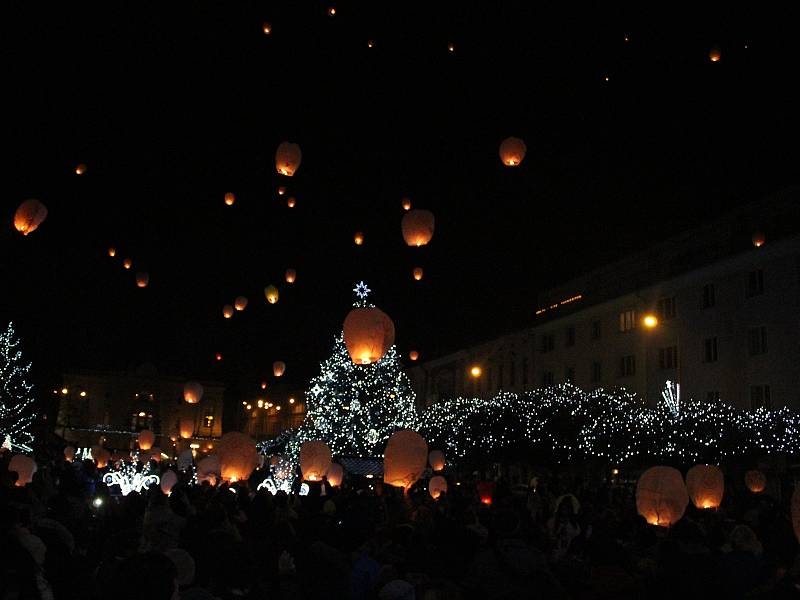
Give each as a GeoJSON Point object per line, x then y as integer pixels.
{"type": "Point", "coordinates": [130, 479]}
{"type": "Point", "coordinates": [672, 397]}
{"type": "Point", "coordinates": [16, 397]}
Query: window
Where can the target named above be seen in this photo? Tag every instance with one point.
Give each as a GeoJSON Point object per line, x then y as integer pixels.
{"type": "Point", "coordinates": [627, 366]}
{"type": "Point", "coordinates": [710, 350]}
{"type": "Point", "coordinates": [547, 378]}
{"type": "Point", "coordinates": [668, 357]}
{"type": "Point", "coordinates": [595, 330]}
{"type": "Point", "coordinates": [666, 308]}
{"type": "Point", "coordinates": [755, 283]}
{"type": "Point", "coordinates": [524, 370]}
{"type": "Point", "coordinates": [569, 375]}
{"type": "Point", "coordinates": [141, 420]}
{"type": "Point", "coordinates": [208, 421]}
{"type": "Point", "coordinates": [759, 397]}
{"type": "Point", "coordinates": [709, 296]}
{"type": "Point", "coordinates": [597, 373]}
{"type": "Point", "coordinates": [712, 396]}
{"type": "Point", "coordinates": [757, 341]}
{"type": "Point", "coordinates": [570, 336]}
{"type": "Point", "coordinates": [548, 342]}
{"type": "Point", "coordinates": [627, 320]}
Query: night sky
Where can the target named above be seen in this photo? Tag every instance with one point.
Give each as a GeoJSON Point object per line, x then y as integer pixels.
{"type": "Point", "coordinates": [172, 104]}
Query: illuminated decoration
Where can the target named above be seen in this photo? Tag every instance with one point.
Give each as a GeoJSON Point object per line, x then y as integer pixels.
{"type": "Point", "coordinates": [227, 311]}
{"type": "Point", "coordinates": [758, 239]}
{"type": "Point", "coordinates": [80, 169]}
{"type": "Point", "coordinates": [112, 252]}
{"type": "Point", "coordinates": [127, 263]}
{"type": "Point", "coordinates": [271, 294]}
{"type": "Point", "coordinates": [218, 356]}
{"type": "Point", "coordinates": [146, 439]}
{"type": "Point", "coordinates": [714, 54]}
{"type": "Point", "coordinates": [332, 11]}
{"type": "Point", "coordinates": [281, 190]}
{"type": "Point", "coordinates": [24, 467]}
{"type": "Point", "coordinates": [368, 334]}
{"type": "Point", "coordinates": [101, 457]}
{"type": "Point", "coordinates": [230, 198]}
{"type": "Point", "coordinates": [370, 43]}
{"type": "Point", "coordinates": [192, 392]}
{"type": "Point", "coordinates": [69, 453]}
{"type": "Point", "coordinates": [405, 458]}
{"type": "Point", "coordinates": [266, 28]}
{"type": "Point", "coordinates": [240, 303]}
{"type": "Point", "coordinates": [263, 385]}
{"type": "Point", "coordinates": [557, 304]}
{"type": "Point", "coordinates": [291, 275]}
{"type": "Point", "coordinates": [417, 226]}
{"type": "Point", "coordinates": [238, 456]}
{"type": "Point", "coordinates": [451, 47]}
{"type": "Point", "coordinates": [436, 460]}
{"type": "Point", "coordinates": [755, 481]}
{"type": "Point", "coordinates": [417, 273]}
{"type": "Point", "coordinates": [512, 151]}
{"type": "Point", "coordinates": [29, 216]}
{"type": "Point", "coordinates": [291, 202]}
{"type": "Point", "coordinates": [413, 355]}
{"type": "Point", "coordinates": [287, 158]}
{"type": "Point", "coordinates": [486, 491]}
{"type": "Point", "coordinates": [335, 474]}
{"type": "Point", "coordinates": [706, 485]}
{"type": "Point", "coordinates": [476, 371]}
{"type": "Point", "coordinates": [661, 496]}
{"type": "Point", "coordinates": [16, 394]}
{"type": "Point", "coordinates": [142, 279]}
{"type": "Point", "coordinates": [315, 459]}
{"type": "Point", "coordinates": [406, 203]}
{"type": "Point", "coordinates": [6, 445]}
{"type": "Point", "coordinates": [278, 368]}
{"type": "Point", "coordinates": [168, 481]}
{"type": "Point", "coordinates": [437, 486]}
{"type": "Point", "coordinates": [650, 321]}
{"type": "Point", "coordinates": [672, 397]}
{"type": "Point", "coordinates": [131, 478]}
{"type": "Point", "coordinates": [358, 238]}
{"type": "Point", "coordinates": [186, 427]}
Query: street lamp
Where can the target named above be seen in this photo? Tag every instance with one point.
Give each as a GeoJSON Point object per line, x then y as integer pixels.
{"type": "Point", "coordinates": [650, 321]}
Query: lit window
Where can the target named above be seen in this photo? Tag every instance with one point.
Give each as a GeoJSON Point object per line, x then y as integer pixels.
{"type": "Point", "coordinates": [627, 320]}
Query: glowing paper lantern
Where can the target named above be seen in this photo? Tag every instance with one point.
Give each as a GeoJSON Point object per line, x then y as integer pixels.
{"type": "Point", "coordinates": [405, 458]}
{"type": "Point", "coordinates": [69, 453]}
{"type": "Point", "coordinates": [436, 460]}
{"type": "Point", "coordinates": [237, 456]}
{"type": "Point", "coordinates": [112, 252]}
{"type": "Point", "coordinates": [795, 507]}
{"type": "Point", "coordinates": [127, 263]}
{"type": "Point", "coordinates": [146, 439]}
{"type": "Point", "coordinates": [155, 454]}
{"type": "Point", "coordinates": [358, 238]}
{"type": "Point", "coordinates": [271, 293]}
{"type": "Point", "coordinates": [186, 427]}
{"type": "Point", "coordinates": [315, 459]}
{"type": "Point", "coordinates": [755, 481]}
{"type": "Point", "coordinates": [486, 491]}
{"type": "Point", "coordinates": [291, 275]}
{"type": "Point", "coordinates": [715, 54]}
{"type": "Point", "coordinates": [208, 469]}
{"type": "Point", "coordinates": [417, 226]}
{"type": "Point", "coordinates": [512, 151]}
{"type": "Point", "coordinates": [240, 303]}
{"type": "Point", "coordinates": [758, 239]}
{"type": "Point", "coordinates": [168, 481]}
{"type": "Point", "coordinates": [417, 273]}
{"type": "Point", "coordinates": [281, 190]}
{"type": "Point", "coordinates": [29, 216]}
{"type": "Point", "coordinates": [436, 486]}
{"type": "Point", "coordinates": [413, 355]}
{"type": "Point", "coordinates": [332, 11]}
{"type": "Point", "coordinates": [290, 202]}
{"type": "Point", "coordinates": [706, 485]}
{"type": "Point", "coordinates": [101, 457]}
{"type": "Point", "coordinates": [142, 279]}
{"type": "Point", "coordinates": [218, 356]}
{"type": "Point", "coordinates": [661, 496]}
{"type": "Point", "coordinates": [287, 158]}
{"type": "Point", "coordinates": [368, 334]}
{"type": "Point", "coordinates": [80, 169]}
{"type": "Point", "coordinates": [266, 28]}
{"type": "Point", "coordinates": [227, 311]}
{"type": "Point", "coordinates": [406, 203]}
{"type": "Point", "coordinates": [278, 368]}
{"type": "Point", "coordinates": [230, 198]}
{"type": "Point", "coordinates": [335, 474]}
{"type": "Point", "coordinates": [192, 392]}
{"type": "Point", "coordinates": [370, 43]}
{"type": "Point", "coordinates": [24, 467]}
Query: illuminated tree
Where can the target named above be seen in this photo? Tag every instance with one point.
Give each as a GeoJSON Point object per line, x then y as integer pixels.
{"type": "Point", "coordinates": [16, 398]}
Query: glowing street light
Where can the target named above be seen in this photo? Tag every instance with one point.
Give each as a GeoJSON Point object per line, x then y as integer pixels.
{"type": "Point", "coordinates": [475, 371]}
{"type": "Point", "coordinates": [650, 321]}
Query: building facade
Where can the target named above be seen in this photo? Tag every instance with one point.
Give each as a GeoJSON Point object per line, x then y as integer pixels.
{"type": "Point", "coordinates": [269, 414]}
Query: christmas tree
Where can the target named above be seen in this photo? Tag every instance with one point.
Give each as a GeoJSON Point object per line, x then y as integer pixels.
{"type": "Point", "coordinates": [355, 408]}
{"type": "Point", "coordinates": [16, 399]}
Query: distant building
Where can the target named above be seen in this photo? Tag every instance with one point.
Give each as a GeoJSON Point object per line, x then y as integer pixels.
{"type": "Point", "coordinates": [110, 408]}
{"type": "Point", "coordinates": [274, 411]}
{"type": "Point", "coordinates": [723, 303]}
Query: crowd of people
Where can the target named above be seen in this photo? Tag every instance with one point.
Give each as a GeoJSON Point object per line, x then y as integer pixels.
{"type": "Point", "coordinates": [65, 535]}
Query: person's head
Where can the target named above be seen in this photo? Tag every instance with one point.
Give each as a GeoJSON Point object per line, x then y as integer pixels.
{"type": "Point", "coordinates": [151, 569]}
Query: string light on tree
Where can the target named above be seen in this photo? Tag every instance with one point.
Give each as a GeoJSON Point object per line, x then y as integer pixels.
{"type": "Point", "coordinates": [16, 394]}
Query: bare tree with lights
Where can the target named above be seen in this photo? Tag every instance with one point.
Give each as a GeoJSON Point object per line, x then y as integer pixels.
{"type": "Point", "coordinates": [16, 397]}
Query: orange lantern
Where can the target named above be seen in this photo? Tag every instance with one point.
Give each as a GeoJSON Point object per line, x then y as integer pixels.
{"type": "Point", "coordinates": [358, 238]}
{"type": "Point", "coordinates": [80, 169]}
{"type": "Point", "coordinates": [112, 252]}
{"type": "Point", "coordinates": [237, 456]}
{"type": "Point", "coordinates": [486, 491]}
{"type": "Point", "coordinates": [155, 454]}
{"type": "Point", "coordinates": [715, 54]}
{"type": "Point", "coordinates": [315, 459]}
{"type": "Point", "coordinates": [436, 460]}
{"type": "Point", "coordinates": [368, 334]}
{"type": "Point", "coordinates": [142, 279]}
{"type": "Point", "coordinates": [512, 151]}
{"type": "Point", "coordinates": [192, 392]}
{"type": "Point", "coordinates": [263, 385]}
{"type": "Point", "coordinates": [168, 481]}
{"type": "Point", "coordinates": [417, 227]}
{"type": "Point", "coordinates": [218, 356]}
{"type": "Point", "coordinates": [335, 474]}
{"type": "Point", "coordinates": [29, 216]}
{"type": "Point", "coordinates": [795, 508]}
{"type": "Point", "coordinates": [755, 481]}
{"type": "Point", "coordinates": [287, 158]}
{"type": "Point", "coordinates": [661, 496]}
{"type": "Point", "coordinates": [208, 469]}
{"type": "Point", "coordinates": [24, 467]}
{"type": "Point", "coordinates": [370, 43]}
{"type": "Point", "coordinates": [451, 47]}
{"type": "Point", "coordinates": [227, 311]}
{"type": "Point", "coordinates": [146, 439]}
{"type": "Point", "coordinates": [69, 453]}
{"type": "Point", "coordinates": [186, 427]}
{"type": "Point", "coordinates": [405, 458]}
{"type": "Point", "coordinates": [291, 275]}
{"type": "Point", "coordinates": [758, 239]}
{"type": "Point", "coordinates": [413, 355]}
{"type": "Point", "coordinates": [436, 486]}
{"type": "Point", "coordinates": [332, 11]}
{"type": "Point", "coordinates": [271, 293]}
{"type": "Point", "coordinates": [266, 28]}
{"type": "Point", "coordinates": [406, 203]}
{"type": "Point", "coordinates": [281, 190]}
{"type": "Point", "coordinates": [230, 198]}
{"type": "Point", "coordinates": [278, 368]}
{"type": "Point", "coordinates": [127, 263]}
{"type": "Point", "coordinates": [101, 457]}
{"type": "Point", "coordinates": [417, 273]}
{"type": "Point", "coordinates": [706, 485]}
{"type": "Point", "coordinates": [240, 303]}
{"type": "Point", "coordinates": [291, 202]}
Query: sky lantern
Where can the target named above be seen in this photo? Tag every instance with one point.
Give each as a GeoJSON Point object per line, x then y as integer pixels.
{"type": "Point", "coordinates": [29, 216]}
{"type": "Point", "coordinates": [266, 28]}
{"type": "Point", "coordinates": [512, 151]}
{"type": "Point", "coordinates": [368, 334]}
{"type": "Point", "coordinates": [101, 457]}
{"type": "Point", "coordinates": [417, 272]}
{"type": "Point", "coordinates": [263, 385]}
{"type": "Point", "coordinates": [192, 392]}
{"type": "Point", "coordinates": [240, 303]}
{"type": "Point", "coordinates": [486, 491]}
{"type": "Point", "coordinates": [237, 456]}
{"type": "Point", "coordinates": [755, 481]}
{"type": "Point", "coordinates": [451, 47]}
{"type": "Point", "coordinates": [758, 239]}
{"type": "Point", "coordinates": [437, 486]}
{"type": "Point", "coordinates": [80, 169]}
{"type": "Point", "coordinates": [230, 198]}
{"type": "Point", "coordinates": [406, 203]}
{"type": "Point", "coordinates": [661, 496]}
{"type": "Point", "coordinates": [706, 485]}
{"type": "Point", "coordinates": [291, 202]}
{"type": "Point", "coordinates": [715, 54]}
{"type": "Point", "coordinates": [315, 459]}
{"type": "Point", "coordinates": [146, 439]}
{"type": "Point", "coordinates": [335, 474]}
{"type": "Point", "coordinates": [168, 481]}
{"type": "Point", "coordinates": [278, 368]}
{"type": "Point", "coordinates": [291, 275]}
{"type": "Point", "coordinates": [358, 238]}
{"type": "Point", "coordinates": [142, 279]}
{"type": "Point", "coordinates": [112, 252]}
{"type": "Point", "coordinates": [271, 294]}
{"type": "Point", "coordinates": [24, 467]}
{"type": "Point", "coordinates": [332, 11]}
{"type": "Point", "coordinates": [69, 453]}
{"type": "Point", "coordinates": [417, 227]}
{"type": "Point", "coordinates": [436, 460]}
{"type": "Point", "coordinates": [287, 158]}
{"type": "Point", "coordinates": [405, 458]}
{"type": "Point", "coordinates": [127, 263]}
{"type": "Point", "coordinates": [186, 427]}
{"type": "Point", "coordinates": [227, 311]}
{"type": "Point", "coordinates": [281, 190]}
{"type": "Point", "coordinates": [370, 43]}
{"type": "Point", "coordinates": [208, 469]}
{"type": "Point", "coordinates": [218, 356]}
{"type": "Point", "coordinates": [413, 355]}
